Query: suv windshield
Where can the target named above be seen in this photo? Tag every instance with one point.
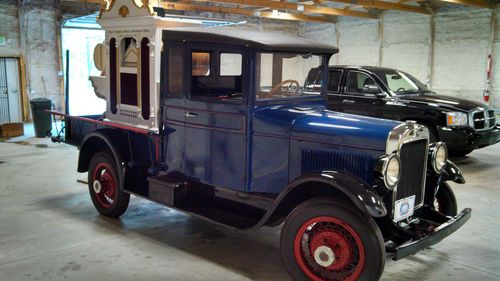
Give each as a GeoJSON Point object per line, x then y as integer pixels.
{"type": "Point", "coordinates": [282, 75]}
{"type": "Point", "coordinates": [399, 82]}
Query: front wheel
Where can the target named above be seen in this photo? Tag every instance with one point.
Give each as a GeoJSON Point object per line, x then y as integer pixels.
{"type": "Point", "coordinates": [324, 239]}
{"type": "Point", "coordinates": [104, 186]}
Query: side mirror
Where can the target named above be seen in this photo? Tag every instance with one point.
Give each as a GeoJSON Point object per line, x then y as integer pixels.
{"type": "Point", "coordinates": [372, 89]}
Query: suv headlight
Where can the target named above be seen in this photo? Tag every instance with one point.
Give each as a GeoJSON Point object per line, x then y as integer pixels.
{"type": "Point", "coordinates": [439, 155]}
{"type": "Point", "coordinates": [456, 119]}
{"type": "Point", "coordinates": [391, 168]}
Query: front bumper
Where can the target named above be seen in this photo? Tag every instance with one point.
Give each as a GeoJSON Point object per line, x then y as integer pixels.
{"type": "Point", "coordinates": [467, 138]}
{"type": "Point", "coordinates": [423, 238]}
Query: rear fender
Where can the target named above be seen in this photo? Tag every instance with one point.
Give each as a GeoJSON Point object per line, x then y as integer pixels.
{"type": "Point", "coordinates": [102, 140]}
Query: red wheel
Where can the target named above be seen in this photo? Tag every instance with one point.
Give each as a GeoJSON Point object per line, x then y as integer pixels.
{"type": "Point", "coordinates": [323, 239]}
{"type": "Point", "coordinates": [326, 248]}
{"type": "Point", "coordinates": [104, 186]}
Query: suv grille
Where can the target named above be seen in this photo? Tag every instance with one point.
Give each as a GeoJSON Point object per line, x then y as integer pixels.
{"type": "Point", "coordinates": [483, 119]}
{"type": "Point", "coordinates": [413, 157]}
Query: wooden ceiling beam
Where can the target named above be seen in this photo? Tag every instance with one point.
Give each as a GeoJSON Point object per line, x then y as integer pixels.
{"type": "Point", "coordinates": [472, 3]}
{"type": "Point", "coordinates": [383, 5]}
{"type": "Point", "coordinates": [246, 12]}
{"type": "Point", "coordinates": [308, 9]}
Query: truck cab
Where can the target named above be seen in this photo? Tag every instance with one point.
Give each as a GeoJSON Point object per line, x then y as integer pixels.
{"type": "Point", "coordinates": [228, 132]}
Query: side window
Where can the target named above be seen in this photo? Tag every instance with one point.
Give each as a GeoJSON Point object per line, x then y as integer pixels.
{"type": "Point", "coordinates": [230, 64]}
{"type": "Point", "coordinates": [200, 62]}
{"type": "Point", "coordinates": [175, 74]}
{"type": "Point", "coordinates": [358, 82]}
{"type": "Point", "coordinates": [334, 80]}
{"type": "Point", "coordinates": [217, 76]}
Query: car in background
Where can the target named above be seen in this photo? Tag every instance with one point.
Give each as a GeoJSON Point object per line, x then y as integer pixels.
{"type": "Point", "coordinates": [387, 93]}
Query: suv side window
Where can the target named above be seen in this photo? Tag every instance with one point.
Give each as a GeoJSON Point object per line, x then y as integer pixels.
{"type": "Point", "coordinates": [216, 76]}
{"type": "Point", "coordinates": [357, 81]}
{"type": "Point", "coordinates": [334, 80]}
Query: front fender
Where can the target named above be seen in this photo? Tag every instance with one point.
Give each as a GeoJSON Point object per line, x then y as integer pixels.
{"type": "Point", "coordinates": [360, 193]}
{"type": "Point", "coordinates": [451, 172]}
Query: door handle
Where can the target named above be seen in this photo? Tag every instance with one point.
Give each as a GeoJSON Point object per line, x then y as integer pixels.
{"type": "Point", "coordinates": [348, 101]}
{"type": "Point", "coordinates": [189, 114]}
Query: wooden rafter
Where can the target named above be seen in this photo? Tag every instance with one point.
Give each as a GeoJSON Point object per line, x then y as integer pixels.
{"type": "Point", "coordinates": [385, 5]}
{"type": "Point", "coordinates": [472, 3]}
{"type": "Point", "coordinates": [245, 12]}
{"type": "Point", "coordinates": [307, 9]}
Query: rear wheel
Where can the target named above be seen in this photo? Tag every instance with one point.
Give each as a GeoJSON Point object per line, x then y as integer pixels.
{"type": "Point", "coordinates": [104, 186]}
{"type": "Point", "coordinates": [445, 201]}
{"type": "Point", "coordinates": [323, 239]}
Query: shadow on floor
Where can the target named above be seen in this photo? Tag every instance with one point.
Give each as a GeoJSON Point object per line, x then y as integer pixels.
{"type": "Point", "coordinates": [254, 255]}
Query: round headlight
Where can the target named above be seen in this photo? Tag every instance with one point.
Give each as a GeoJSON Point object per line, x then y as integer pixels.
{"type": "Point", "coordinates": [391, 171]}
{"type": "Point", "coordinates": [439, 156]}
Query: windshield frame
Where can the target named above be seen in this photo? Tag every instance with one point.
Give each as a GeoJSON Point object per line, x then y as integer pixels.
{"type": "Point", "coordinates": [421, 87]}
{"type": "Point", "coordinates": [323, 66]}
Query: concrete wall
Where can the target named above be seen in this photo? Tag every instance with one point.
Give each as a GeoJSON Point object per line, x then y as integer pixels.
{"type": "Point", "coordinates": [447, 51]}
{"type": "Point", "coordinates": [32, 30]}
{"type": "Point", "coordinates": [9, 27]}
{"type": "Point", "coordinates": [39, 27]}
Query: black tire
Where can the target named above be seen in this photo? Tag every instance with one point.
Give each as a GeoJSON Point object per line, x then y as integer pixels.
{"type": "Point", "coordinates": [106, 194]}
{"type": "Point", "coordinates": [459, 153]}
{"type": "Point", "coordinates": [445, 201]}
{"type": "Point", "coordinates": [361, 255]}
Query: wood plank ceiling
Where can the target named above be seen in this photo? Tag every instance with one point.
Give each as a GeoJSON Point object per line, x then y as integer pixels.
{"type": "Point", "coordinates": [309, 10]}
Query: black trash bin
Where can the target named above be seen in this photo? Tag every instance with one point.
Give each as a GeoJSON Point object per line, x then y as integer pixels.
{"type": "Point", "coordinates": [41, 118]}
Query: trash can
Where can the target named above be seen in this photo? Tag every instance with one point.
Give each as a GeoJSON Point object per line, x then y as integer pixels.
{"type": "Point", "coordinates": [41, 118]}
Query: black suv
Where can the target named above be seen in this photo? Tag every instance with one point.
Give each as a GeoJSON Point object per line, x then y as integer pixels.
{"type": "Point", "coordinates": [463, 125]}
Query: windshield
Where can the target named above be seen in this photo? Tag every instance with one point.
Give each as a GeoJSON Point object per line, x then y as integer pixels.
{"type": "Point", "coordinates": [399, 82]}
{"type": "Point", "coordinates": [282, 75]}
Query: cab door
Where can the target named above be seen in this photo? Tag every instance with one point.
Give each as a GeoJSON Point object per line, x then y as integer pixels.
{"type": "Point", "coordinates": [174, 92]}
{"type": "Point", "coordinates": [362, 95]}
{"type": "Point", "coordinates": [216, 116]}
{"type": "Point", "coordinates": [334, 97]}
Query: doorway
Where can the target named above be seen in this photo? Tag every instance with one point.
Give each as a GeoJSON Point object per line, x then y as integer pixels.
{"type": "Point", "coordinates": [10, 94]}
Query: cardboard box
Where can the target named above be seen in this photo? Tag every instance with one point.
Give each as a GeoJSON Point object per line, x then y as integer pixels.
{"type": "Point", "coordinates": [9, 130]}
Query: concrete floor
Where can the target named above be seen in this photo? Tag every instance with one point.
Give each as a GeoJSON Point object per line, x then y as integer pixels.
{"type": "Point", "coordinates": [49, 230]}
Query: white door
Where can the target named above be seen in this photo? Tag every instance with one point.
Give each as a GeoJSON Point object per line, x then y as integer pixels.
{"type": "Point", "coordinates": [10, 94]}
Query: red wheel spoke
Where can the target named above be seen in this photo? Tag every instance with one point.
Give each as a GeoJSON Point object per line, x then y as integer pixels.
{"type": "Point", "coordinates": [103, 174]}
{"type": "Point", "coordinates": [327, 248]}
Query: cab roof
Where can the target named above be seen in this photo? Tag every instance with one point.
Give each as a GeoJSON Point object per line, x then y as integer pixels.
{"type": "Point", "coordinates": [259, 40]}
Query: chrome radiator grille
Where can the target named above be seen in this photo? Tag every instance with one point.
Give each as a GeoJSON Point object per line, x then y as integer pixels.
{"type": "Point", "coordinates": [483, 119]}
{"type": "Point", "coordinates": [413, 157]}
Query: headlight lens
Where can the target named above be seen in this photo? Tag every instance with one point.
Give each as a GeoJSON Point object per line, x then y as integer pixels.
{"type": "Point", "coordinates": [439, 156]}
{"type": "Point", "coordinates": [391, 171]}
{"type": "Point", "coordinates": [456, 119]}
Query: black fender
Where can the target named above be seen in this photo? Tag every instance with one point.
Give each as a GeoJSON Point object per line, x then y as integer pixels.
{"type": "Point", "coordinates": [88, 149]}
{"type": "Point", "coordinates": [327, 183]}
{"type": "Point", "coordinates": [451, 172]}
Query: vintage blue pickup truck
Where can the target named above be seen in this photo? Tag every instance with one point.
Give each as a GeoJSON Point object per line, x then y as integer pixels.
{"type": "Point", "coordinates": [216, 122]}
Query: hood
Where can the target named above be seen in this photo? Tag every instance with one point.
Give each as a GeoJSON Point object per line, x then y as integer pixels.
{"type": "Point", "coordinates": [317, 124]}
{"type": "Point", "coordinates": [445, 102]}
